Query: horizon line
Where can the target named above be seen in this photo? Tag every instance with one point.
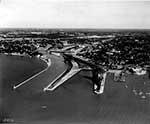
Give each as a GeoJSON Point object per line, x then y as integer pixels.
{"type": "Point", "coordinates": [75, 28]}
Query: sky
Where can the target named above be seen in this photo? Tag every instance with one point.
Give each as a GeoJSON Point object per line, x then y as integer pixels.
{"type": "Point", "coordinates": [74, 14]}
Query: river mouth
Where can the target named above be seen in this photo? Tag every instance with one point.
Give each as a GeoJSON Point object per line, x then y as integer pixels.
{"type": "Point", "coordinates": [73, 102]}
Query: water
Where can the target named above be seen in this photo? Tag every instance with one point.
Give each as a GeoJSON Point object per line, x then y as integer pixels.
{"type": "Point", "coordinates": [13, 70]}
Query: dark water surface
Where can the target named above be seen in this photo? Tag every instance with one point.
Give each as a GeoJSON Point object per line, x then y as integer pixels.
{"type": "Point", "coordinates": [73, 102]}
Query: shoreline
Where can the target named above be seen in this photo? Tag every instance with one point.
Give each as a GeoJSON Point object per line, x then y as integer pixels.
{"type": "Point", "coordinates": [64, 76]}
{"type": "Point", "coordinates": [47, 61]}
{"type": "Point", "coordinates": [44, 59]}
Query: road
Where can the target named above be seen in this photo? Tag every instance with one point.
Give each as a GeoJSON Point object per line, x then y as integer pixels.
{"type": "Point", "coordinates": [74, 102]}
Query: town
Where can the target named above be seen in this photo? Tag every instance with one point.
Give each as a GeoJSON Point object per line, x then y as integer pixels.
{"type": "Point", "coordinates": [94, 69]}
{"type": "Point", "coordinates": [112, 50]}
